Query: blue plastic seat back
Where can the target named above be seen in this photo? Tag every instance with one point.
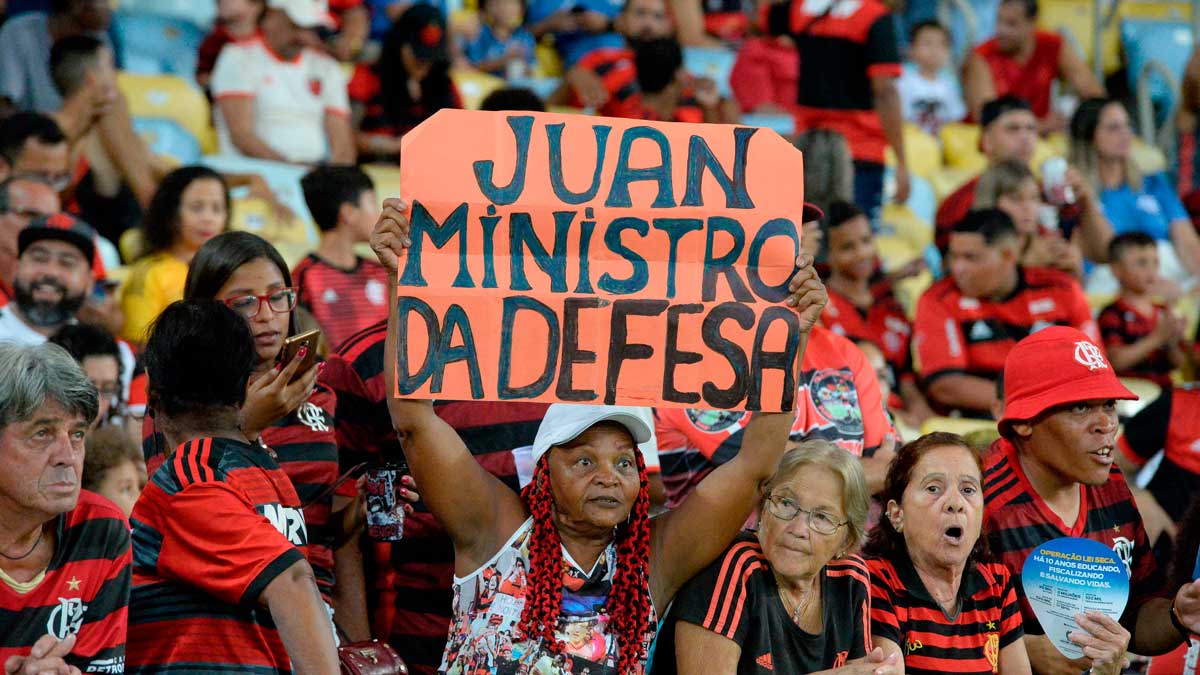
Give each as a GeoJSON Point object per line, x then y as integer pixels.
{"type": "Point", "coordinates": [156, 45]}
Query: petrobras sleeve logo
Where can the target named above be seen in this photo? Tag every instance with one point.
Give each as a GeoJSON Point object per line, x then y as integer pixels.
{"type": "Point", "coordinates": [288, 520]}
{"type": "Point", "coordinates": [115, 664]}
{"type": "Point", "coordinates": [1089, 355]}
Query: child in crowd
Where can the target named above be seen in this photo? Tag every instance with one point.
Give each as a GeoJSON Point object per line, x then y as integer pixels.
{"type": "Point", "coordinates": [113, 468]}
{"type": "Point", "coordinates": [862, 305]}
{"type": "Point", "coordinates": [930, 95]}
{"type": "Point", "coordinates": [1143, 338]}
{"type": "Point", "coordinates": [502, 46]}
{"type": "Point", "coordinates": [343, 292]}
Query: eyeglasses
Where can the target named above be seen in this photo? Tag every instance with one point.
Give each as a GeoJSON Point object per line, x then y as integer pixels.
{"type": "Point", "coordinates": [820, 522]}
{"type": "Point", "coordinates": [280, 300]}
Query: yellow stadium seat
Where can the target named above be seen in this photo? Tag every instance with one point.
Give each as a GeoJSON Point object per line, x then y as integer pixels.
{"type": "Point", "coordinates": [908, 291]}
{"type": "Point", "coordinates": [960, 143]}
{"type": "Point", "coordinates": [474, 86]}
{"type": "Point", "coordinates": [895, 251]}
{"type": "Point", "coordinates": [171, 98]}
{"type": "Point", "coordinates": [948, 179]}
{"type": "Point", "coordinates": [924, 154]}
{"type": "Point", "coordinates": [386, 178]}
{"type": "Point", "coordinates": [1148, 158]}
{"type": "Point", "coordinates": [907, 225]}
{"type": "Point", "coordinates": [548, 62]}
{"type": "Point", "coordinates": [130, 244]}
{"type": "Point", "coordinates": [956, 425]}
{"type": "Point", "coordinates": [1073, 19]}
{"type": "Point", "coordinates": [1146, 392]}
{"type": "Point", "coordinates": [1098, 301]}
{"type": "Point", "coordinates": [293, 238]}
{"type": "Point", "coordinates": [566, 110]}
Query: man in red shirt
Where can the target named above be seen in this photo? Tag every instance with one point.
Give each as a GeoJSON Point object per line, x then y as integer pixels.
{"type": "Point", "coordinates": [1024, 61]}
{"type": "Point", "coordinates": [967, 323]}
{"type": "Point", "coordinates": [1052, 475]}
{"type": "Point", "coordinates": [64, 552]}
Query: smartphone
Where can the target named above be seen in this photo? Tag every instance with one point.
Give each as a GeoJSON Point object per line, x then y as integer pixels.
{"type": "Point", "coordinates": [1054, 182]}
{"type": "Point", "coordinates": [291, 347]}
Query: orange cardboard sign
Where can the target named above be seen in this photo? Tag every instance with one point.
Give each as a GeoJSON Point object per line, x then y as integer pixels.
{"type": "Point", "coordinates": [587, 259]}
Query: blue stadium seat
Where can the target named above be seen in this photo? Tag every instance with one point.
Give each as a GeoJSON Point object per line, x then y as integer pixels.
{"type": "Point", "coordinates": [542, 86]}
{"type": "Point", "coordinates": [711, 62]}
{"type": "Point", "coordinates": [167, 138]}
{"type": "Point", "coordinates": [200, 13]}
{"type": "Point", "coordinates": [983, 20]}
{"type": "Point", "coordinates": [784, 125]}
{"type": "Point", "coordinates": [156, 45]}
{"type": "Point", "coordinates": [1166, 42]}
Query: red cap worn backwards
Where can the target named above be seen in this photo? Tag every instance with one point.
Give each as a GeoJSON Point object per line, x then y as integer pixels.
{"type": "Point", "coordinates": [1053, 367]}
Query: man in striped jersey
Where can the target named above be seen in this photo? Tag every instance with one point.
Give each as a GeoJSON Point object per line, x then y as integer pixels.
{"type": "Point", "coordinates": [64, 552]}
{"type": "Point", "coordinates": [1052, 475]}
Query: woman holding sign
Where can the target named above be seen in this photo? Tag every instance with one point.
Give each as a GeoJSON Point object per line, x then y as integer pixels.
{"type": "Point", "coordinates": [599, 569]}
{"type": "Point", "coordinates": [933, 598]}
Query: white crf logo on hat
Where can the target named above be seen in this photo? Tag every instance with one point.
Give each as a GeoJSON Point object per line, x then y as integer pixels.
{"type": "Point", "coordinates": [1089, 355]}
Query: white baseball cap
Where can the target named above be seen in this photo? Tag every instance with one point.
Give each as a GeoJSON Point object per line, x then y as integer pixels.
{"type": "Point", "coordinates": [305, 13]}
{"type": "Point", "coordinates": [565, 421]}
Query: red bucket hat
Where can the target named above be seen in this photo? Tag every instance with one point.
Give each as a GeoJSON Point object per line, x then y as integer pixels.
{"type": "Point", "coordinates": [1052, 367]}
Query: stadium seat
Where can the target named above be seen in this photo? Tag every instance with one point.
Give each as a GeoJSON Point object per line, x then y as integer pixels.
{"type": "Point", "coordinates": [474, 86]}
{"type": "Point", "coordinates": [199, 13]}
{"type": "Point", "coordinates": [544, 87]}
{"type": "Point", "coordinates": [895, 251]}
{"type": "Point", "coordinates": [131, 244]}
{"type": "Point", "coordinates": [714, 63]}
{"type": "Point", "coordinates": [169, 97]}
{"type": "Point", "coordinates": [956, 425]}
{"type": "Point", "coordinates": [548, 62]}
{"type": "Point", "coordinates": [1148, 158]}
{"type": "Point", "coordinates": [784, 125]}
{"type": "Point", "coordinates": [1073, 19]}
{"type": "Point", "coordinates": [924, 153]}
{"type": "Point", "coordinates": [968, 31]}
{"type": "Point", "coordinates": [960, 145]}
{"type": "Point", "coordinates": [908, 291]}
{"type": "Point", "coordinates": [948, 179]}
{"type": "Point", "coordinates": [283, 179]}
{"type": "Point", "coordinates": [386, 178]}
{"type": "Point", "coordinates": [166, 138]}
{"type": "Point", "coordinates": [154, 45]}
{"type": "Point", "coordinates": [1168, 43]}
{"type": "Point", "coordinates": [1146, 392]}
{"type": "Point", "coordinates": [293, 238]}
{"type": "Point", "coordinates": [900, 220]}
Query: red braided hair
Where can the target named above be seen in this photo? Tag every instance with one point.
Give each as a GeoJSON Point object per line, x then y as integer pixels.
{"type": "Point", "coordinates": [628, 601]}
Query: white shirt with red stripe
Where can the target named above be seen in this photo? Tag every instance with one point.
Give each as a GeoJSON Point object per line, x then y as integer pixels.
{"type": "Point", "coordinates": [290, 98]}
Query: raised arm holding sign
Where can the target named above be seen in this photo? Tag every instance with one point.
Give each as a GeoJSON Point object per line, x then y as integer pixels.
{"type": "Point", "coordinates": [587, 503]}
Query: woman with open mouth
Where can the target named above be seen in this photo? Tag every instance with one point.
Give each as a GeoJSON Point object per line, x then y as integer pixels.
{"type": "Point", "coordinates": [935, 600]}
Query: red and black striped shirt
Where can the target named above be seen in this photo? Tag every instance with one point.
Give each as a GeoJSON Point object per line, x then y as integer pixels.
{"type": "Point", "coordinates": [409, 583]}
{"type": "Point", "coordinates": [343, 301]}
{"type": "Point", "coordinates": [85, 591]}
{"type": "Point", "coordinates": [218, 521]}
{"type": "Point", "coordinates": [1122, 324]}
{"type": "Point", "coordinates": [1017, 520]}
{"type": "Point", "coordinates": [903, 611]}
{"type": "Point", "coordinates": [306, 449]}
{"type": "Point", "coordinates": [737, 598]}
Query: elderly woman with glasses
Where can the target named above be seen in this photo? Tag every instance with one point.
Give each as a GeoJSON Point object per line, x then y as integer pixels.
{"type": "Point", "coordinates": [789, 597]}
{"type": "Point", "coordinates": [935, 599]}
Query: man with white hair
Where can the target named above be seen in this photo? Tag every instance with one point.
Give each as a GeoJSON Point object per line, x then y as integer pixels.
{"type": "Point", "coordinates": [64, 552]}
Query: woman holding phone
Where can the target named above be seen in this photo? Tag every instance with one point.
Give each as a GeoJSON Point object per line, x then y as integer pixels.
{"type": "Point", "coordinates": [286, 411]}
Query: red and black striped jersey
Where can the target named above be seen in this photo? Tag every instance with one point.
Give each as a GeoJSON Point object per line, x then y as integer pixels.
{"type": "Point", "coordinates": [1017, 520]}
{"type": "Point", "coordinates": [343, 301]}
{"type": "Point", "coordinates": [1122, 324]}
{"type": "Point", "coordinates": [838, 401]}
{"type": "Point", "coordinates": [84, 591]}
{"type": "Point", "coordinates": [737, 597]}
{"type": "Point", "coordinates": [903, 611]}
{"type": "Point", "coordinates": [218, 521]}
{"type": "Point", "coordinates": [1170, 423]}
{"type": "Point", "coordinates": [884, 323]}
{"type": "Point", "coordinates": [853, 42]}
{"type": "Point", "coordinates": [305, 447]}
{"type": "Point", "coordinates": [409, 590]}
{"type": "Point", "coordinates": [955, 334]}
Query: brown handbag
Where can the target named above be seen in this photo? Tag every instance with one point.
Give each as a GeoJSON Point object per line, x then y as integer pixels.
{"type": "Point", "coordinates": [370, 658]}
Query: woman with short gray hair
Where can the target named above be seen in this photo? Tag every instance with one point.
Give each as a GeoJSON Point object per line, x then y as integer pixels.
{"type": "Point", "coordinates": [790, 597]}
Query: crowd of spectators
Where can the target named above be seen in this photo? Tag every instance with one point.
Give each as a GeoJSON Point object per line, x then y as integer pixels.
{"type": "Point", "coordinates": [177, 496]}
